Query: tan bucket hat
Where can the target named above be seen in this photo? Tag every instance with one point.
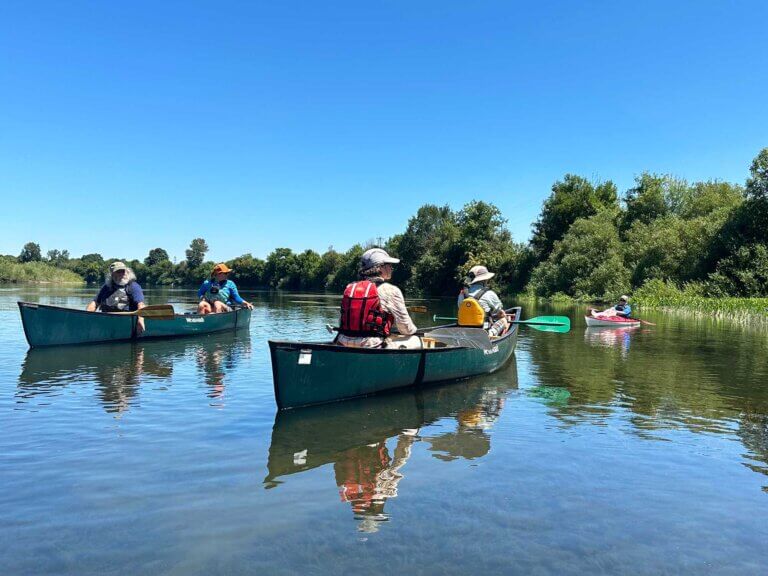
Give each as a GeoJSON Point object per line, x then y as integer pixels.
{"type": "Point", "coordinates": [478, 274]}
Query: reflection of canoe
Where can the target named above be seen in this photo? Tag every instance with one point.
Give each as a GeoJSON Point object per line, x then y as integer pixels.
{"type": "Point", "coordinates": [314, 436]}
{"type": "Point", "coordinates": [56, 326]}
{"type": "Point", "coordinates": [611, 322]}
{"type": "Point", "coordinates": [317, 372]}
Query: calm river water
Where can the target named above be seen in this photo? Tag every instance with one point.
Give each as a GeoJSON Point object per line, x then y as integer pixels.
{"type": "Point", "coordinates": [595, 452]}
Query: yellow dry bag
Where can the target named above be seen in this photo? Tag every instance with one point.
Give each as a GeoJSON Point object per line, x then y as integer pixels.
{"type": "Point", "coordinates": [471, 313]}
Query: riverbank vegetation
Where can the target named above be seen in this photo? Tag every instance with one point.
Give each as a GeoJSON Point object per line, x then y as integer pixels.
{"type": "Point", "coordinates": [14, 271]}
{"type": "Point", "coordinates": [668, 241]}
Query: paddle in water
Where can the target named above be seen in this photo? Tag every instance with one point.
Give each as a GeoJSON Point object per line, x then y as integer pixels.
{"type": "Point", "coordinates": [560, 324]}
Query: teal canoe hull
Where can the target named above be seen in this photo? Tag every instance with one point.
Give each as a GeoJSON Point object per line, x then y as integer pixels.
{"type": "Point", "coordinates": [314, 373]}
{"type": "Point", "coordinates": [46, 325]}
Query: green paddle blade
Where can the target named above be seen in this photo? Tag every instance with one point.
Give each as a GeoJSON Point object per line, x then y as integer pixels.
{"type": "Point", "coordinates": [559, 324]}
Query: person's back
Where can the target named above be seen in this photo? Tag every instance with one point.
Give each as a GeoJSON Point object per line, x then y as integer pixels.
{"type": "Point", "coordinates": [495, 320]}
{"type": "Point", "coordinates": [372, 296]}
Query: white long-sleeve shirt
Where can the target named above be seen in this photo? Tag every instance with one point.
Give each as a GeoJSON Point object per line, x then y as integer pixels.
{"type": "Point", "coordinates": [393, 302]}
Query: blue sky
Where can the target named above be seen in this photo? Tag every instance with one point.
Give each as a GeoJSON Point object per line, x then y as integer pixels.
{"type": "Point", "coordinates": [130, 125]}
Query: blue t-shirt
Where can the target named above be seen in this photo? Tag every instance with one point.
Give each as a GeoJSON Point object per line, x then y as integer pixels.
{"type": "Point", "coordinates": [624, 310]}
{"type": "Point", "coordinates": [227, 287]}
{"type": "Point", "coordinates": [133, 290]}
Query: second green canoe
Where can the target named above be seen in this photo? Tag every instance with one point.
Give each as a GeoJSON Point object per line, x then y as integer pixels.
{"type": "Point", "coordinates": [46, 325]}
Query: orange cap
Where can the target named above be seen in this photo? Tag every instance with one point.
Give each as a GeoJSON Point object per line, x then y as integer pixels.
{"type": "Point", "coordinates": [221, 269]}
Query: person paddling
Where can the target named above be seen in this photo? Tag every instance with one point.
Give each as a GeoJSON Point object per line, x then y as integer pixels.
{"type": "Point", "coordinates": [371, 307]}
{"type": "Point", "coordinates": [120, 293]}
{"type": "Point", "coordinates": [476, 287]}
{"type": "Point", "coordinates": [218, 293]}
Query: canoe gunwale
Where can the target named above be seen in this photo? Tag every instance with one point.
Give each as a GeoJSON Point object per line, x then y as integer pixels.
{"type": "Point", "coordinates": [331, 347]}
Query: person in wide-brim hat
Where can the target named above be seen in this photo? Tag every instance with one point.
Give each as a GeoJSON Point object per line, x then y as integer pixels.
{"type": "Point", "coordinates": [219, 293]}
{"type": "Point", "coordinates": [476, 286]}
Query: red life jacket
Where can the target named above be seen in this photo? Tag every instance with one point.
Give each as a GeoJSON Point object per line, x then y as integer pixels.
{"type": "Point", "coordinates": [361, 313]}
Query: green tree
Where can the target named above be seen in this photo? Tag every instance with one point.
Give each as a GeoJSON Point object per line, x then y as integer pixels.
{"type": "Point", "coordinates": [58, 257]}
{"type": "Point", "coordinates": [706, 198]}
{"type": "Point", "coordinates": [586, 263]}
{"type": "Point", "coordinates": [249, 271]}
{"type": "Point", "coordinates": [757, 183]}
{"type": "Point", "coordinates": [196, 252]}
{"type": "Point", "coordinates": [281, 268]}
{"type": "Point", "coordinates": [572, 198]}
{"type": "Point", "coordinates": [30, 253]}
{"type": "Point", "coordinates": [155, 256]}
{"type": "Point", "coordinates": [653, 196]}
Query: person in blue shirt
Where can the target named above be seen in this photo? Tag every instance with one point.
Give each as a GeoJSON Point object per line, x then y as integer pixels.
{"type": "Point", "coordinates": [219, 293]}
{"type": "Point", "coordinates": [120, 293]}
{"type": "Point", "coordinates": [623, 308]}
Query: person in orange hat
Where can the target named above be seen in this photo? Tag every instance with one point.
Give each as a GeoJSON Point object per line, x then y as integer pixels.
{"type": "Point", "coordinates": [218, 293]}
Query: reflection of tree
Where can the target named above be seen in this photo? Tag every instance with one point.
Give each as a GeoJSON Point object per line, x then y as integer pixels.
{"type": "Point", "coordinates": [699, 376]}
{"type": "Point", "coordinates": [119, 370]}
{"type": "Point", "coordinates": [353, 436]}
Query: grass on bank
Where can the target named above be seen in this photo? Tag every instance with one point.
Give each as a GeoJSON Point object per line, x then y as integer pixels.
{"type": "Point", "coordinates": [36, 272]}
{"type": "Point", "coordinates": [690, 298]}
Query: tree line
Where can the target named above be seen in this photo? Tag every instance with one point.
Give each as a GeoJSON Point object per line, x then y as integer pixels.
{"type": "Point", "coordinates": [589, 242]}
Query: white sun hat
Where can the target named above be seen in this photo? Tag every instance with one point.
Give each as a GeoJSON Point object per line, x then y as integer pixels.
{"type": "Point", "coordinates": [479, 274]}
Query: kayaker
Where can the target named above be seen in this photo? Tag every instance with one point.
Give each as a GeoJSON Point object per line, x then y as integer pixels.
{"type": "Point", "coordinates": [219, 293]}
{"type": "Point", "coordinates": [120, 293]}
{"type": "Point", "coordinates": [476, 286]}
{"type": "Point", "coordinates": [372, 306]}
{"type": "Point", "coordinates": [623, 308]}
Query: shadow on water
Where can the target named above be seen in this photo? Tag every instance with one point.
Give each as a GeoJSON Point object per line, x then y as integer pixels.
{"type": "Point", "coordinates": [353, 437]}
{"type": "Point", "coordinates": [119, 370]}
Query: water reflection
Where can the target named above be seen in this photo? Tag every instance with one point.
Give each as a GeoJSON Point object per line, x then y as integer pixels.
{"type": "Point", "coordinates": [607, 337]}
{"type": "Point", "coordinates": [370, 440]}
{"type": "Point", "coordinates": [118, 371]}
{"type": "Point", "coordinates": [709, 383]}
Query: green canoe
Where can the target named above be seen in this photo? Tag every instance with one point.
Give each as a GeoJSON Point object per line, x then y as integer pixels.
{"type": "Point", "coordinates": [46, 325]}
{"type": "Point", "coordinates": [306, 373]}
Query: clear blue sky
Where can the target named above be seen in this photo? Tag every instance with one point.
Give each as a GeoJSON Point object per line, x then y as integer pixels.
{"type": "Point", "coordinates": [130, 125]}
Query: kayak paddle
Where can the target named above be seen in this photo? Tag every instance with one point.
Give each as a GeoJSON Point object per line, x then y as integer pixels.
{"type": "Point", "coordinates": [560, 324]}
{"type": "Point", "coordinates": [156, 312]}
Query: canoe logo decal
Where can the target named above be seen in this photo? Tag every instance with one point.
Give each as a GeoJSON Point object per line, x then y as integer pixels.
{"type": "Point", "coordinates": [493, 350]}
{"type": "Point", "coordinates": [194, 320]}
{"type": "Point", "coordinates": [305, 357]}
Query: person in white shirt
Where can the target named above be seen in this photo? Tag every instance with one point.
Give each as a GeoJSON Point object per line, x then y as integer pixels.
{"type": "Point", "coordinates": [476, 286]}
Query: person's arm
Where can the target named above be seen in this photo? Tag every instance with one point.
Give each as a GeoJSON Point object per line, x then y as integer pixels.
{"type": "Point", "coordinates": [203, 288]}
{"type": "Point", "coordinates": [234, 294]}
{"type": "Point", "coordinates": [93, 305]}
{"type": "Point", "coordinates": [494, 302]}
{"type": "Point", "coordinates": [239, 299]}
{"type": "Point", "coordinates": [625, 311]}
{"type": "Point", "coordinates": [137, 294]}
{"type": "Point", "coordinates": [396, 305]}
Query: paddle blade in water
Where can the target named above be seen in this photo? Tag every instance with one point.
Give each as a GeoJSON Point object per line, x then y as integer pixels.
{"type": "Point", "coordinates": [559, 324]}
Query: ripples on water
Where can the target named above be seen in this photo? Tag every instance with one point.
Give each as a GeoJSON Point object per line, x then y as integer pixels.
{"type": "Point", "coordinates": [603, 451]}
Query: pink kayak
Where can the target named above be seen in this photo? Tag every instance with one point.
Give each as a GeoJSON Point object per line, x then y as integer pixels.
{"type": "Point", "coordinates": [611, 321]}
